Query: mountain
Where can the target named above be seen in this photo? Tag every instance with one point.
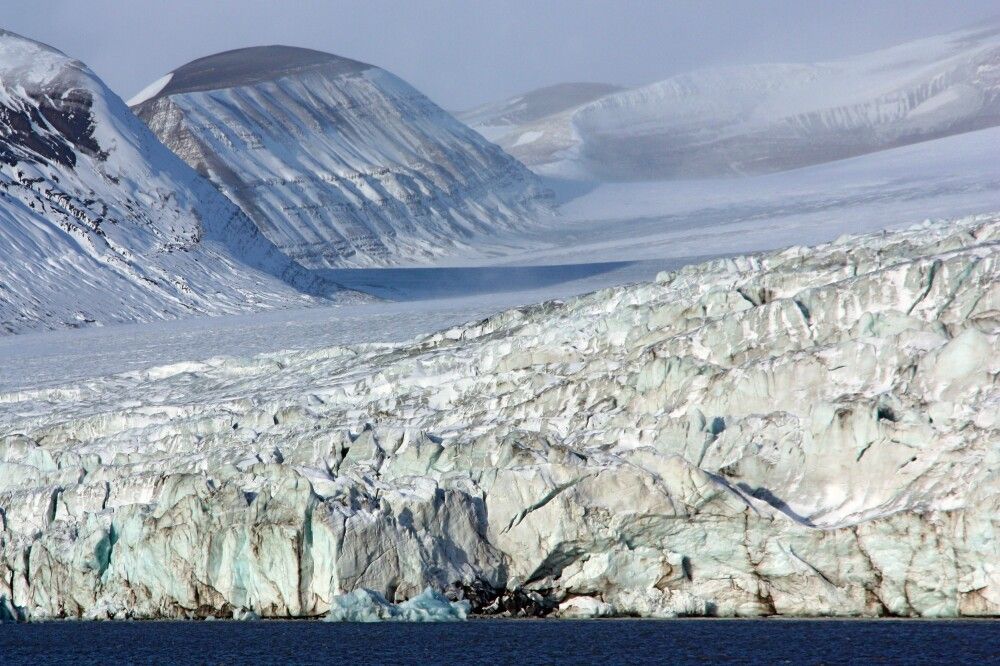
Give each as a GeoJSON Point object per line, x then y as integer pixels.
{"type": "Point", "coordinates": [499, 117]}
{"type": "Point", "coordinates": [771, 117]}
{"type": "Point", "coordinates": [338, 162]}
{"type": "Point", "coordinates": [536, 127]}
{"type": "Point", "coordinates": [100, 223]}
{"type": "Point", "coordinates": [810, 431]}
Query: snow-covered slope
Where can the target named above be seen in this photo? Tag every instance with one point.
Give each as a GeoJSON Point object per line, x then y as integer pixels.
{"type": "Point", "coordinates": [500, 118]}
{"type": "Point", "coordinates": [99, 222]}
{"type": "Point", "coordinates": [772, 117]}
{"type": "Point", "coordinates": [809, 431]}
{"type": "Point", "coordinates": [338, 162]}
{"type": "Point", "coordinates": [537, 127]}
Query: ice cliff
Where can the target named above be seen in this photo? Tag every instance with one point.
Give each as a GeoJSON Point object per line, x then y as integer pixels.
{"type": "Point", "coordinates": [368, 606]}
{"type": "Point", "coordinates": [814, 431]}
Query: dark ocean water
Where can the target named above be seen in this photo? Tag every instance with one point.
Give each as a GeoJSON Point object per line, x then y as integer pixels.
{"type": "Point", "coordinates": [518, 642]}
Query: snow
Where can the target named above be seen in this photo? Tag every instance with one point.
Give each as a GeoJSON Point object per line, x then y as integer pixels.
{"type": "Point", "coordinates": [106, 208]}
{"type": "Point", "coordinates": [957, 175]}
{"type": "Point", "coordinates": [151, 91]}
{"type": "Point", "coordinates": [788, 432]}
{"type": "Point", "coordinates": [807, 431]}
{"type": "Point", "coordinates": [607, 235]}
{"type": "Point", "coordinates": [535, 105]}
{"type": "Point", "coordinates": [344, 167]}
{"type": "Point", "coordinates": [528, 137]}
{"type": "Point", "coordinates": [30, 63]}
{"type": "Point", "coordinates": [766, 117]}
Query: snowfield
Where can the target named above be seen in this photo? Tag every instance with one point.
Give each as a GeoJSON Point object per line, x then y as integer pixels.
{"type": "Point", "coordinates": [605, 236]}
{"type": "Point", "coordinates": [811, 431]}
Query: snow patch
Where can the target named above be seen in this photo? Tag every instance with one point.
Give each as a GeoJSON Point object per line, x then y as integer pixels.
{"type": "Point", "coordinates": [151, 91]}
{"type": "Point", "coordinates": [528, 137]}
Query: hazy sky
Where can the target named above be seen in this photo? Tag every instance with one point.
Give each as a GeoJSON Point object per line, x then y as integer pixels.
{"type": "Point", "coordinates": [462, 53]}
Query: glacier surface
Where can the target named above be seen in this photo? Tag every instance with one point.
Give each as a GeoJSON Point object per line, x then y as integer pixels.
{"type": "Point", "coordinates": [369, 606]}
{"type": "Point", "coordinates": [641, 228]}
{"type": "Point", "coordinates": [811, 431]}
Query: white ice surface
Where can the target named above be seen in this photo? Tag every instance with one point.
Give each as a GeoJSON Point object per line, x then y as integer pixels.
{"type": "Point", "coordinates": [54, 357]}
{"type": "Point", "coordinates": [151, 90]}
{"type": "Point", "coordinates": [812, 431]}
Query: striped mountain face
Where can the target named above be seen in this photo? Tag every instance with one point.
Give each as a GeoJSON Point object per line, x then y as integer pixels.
{"type": "Point", "coordinates": [339, 163]}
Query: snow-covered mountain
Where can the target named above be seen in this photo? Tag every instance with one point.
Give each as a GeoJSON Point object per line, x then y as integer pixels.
{"type": "Point", "coordinates": [339, 163]}
{"type": "Point", "coordinates": [771, 117]}
{"type": "Point", "coordinates": [811, 431]}
{"type": "Point", "coordinates": [99, 222]}
{"type": "Point", "coordinates": [499, 118]}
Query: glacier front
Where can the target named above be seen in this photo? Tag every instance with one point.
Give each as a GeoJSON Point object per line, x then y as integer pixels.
{"type": "Point", "coordinates": [811, 431]}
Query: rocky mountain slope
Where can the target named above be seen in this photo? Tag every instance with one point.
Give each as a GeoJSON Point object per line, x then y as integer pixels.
{"type": "Point", "coordinates": [769, 117]}
{"type": "Point", "coordinates": [803, 432]}
{"type": "Point", "coordinates": [338, 162]}
{"type": "Point", "coordinates": [100, 223]}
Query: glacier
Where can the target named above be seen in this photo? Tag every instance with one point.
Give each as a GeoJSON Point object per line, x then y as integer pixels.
{"type": "Point", "coordinates": [641, 228]}
{"type": "Point", "coordinates": [804, 431]}
{"type": "Point", "coordinates": [370, 606]}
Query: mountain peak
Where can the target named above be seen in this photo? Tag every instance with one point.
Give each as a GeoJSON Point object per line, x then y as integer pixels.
{"type": "Point", "coordinates": [32, 63]}
{"type": "Point", "coordinates": [247, 66]}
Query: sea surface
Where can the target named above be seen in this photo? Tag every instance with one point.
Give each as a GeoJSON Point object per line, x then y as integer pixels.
{"type": "Point", "coordinates": [520, 642]}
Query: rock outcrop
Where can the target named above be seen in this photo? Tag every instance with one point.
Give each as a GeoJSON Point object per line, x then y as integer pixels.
{"type": "Point", "coordinates": [813, 431]}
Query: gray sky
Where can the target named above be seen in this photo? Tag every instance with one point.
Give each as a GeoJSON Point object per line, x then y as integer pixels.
{"type": "Point", "coordinates": [462, 53]}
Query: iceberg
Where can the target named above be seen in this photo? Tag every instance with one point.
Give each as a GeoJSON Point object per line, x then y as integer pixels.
{"type": "Point", "coordinates": [370, 606]}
